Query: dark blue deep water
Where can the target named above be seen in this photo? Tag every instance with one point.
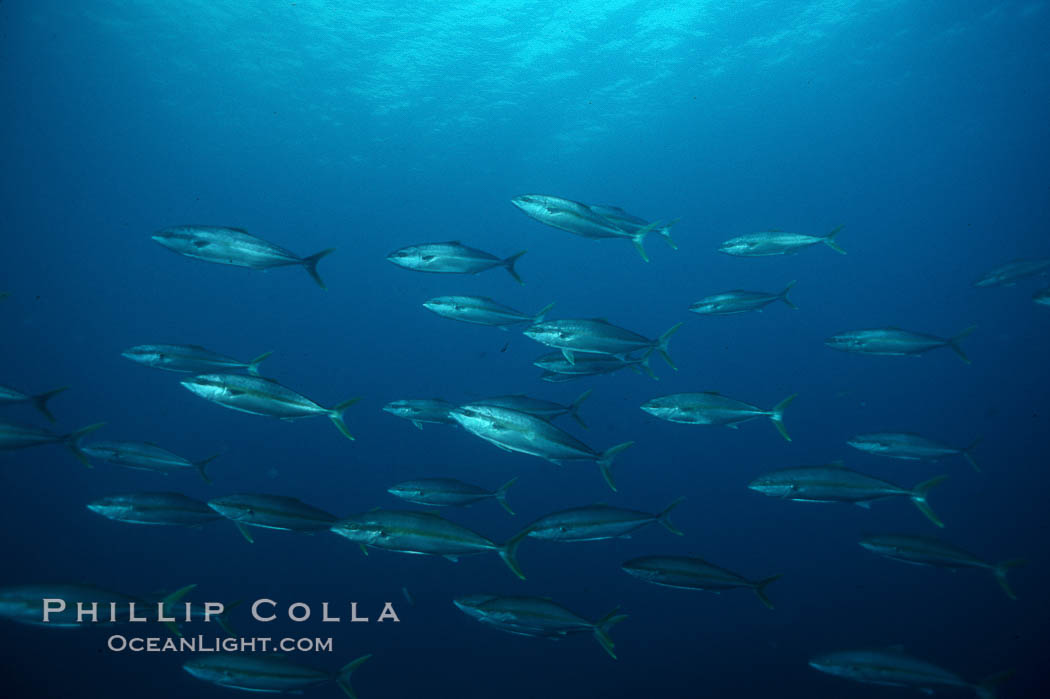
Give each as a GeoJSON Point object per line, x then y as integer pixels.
{"type": "Point", "coordinates": [920, 127]}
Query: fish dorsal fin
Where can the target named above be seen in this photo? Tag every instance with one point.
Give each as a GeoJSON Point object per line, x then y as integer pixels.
{"type": "Point", "coordinates": [234, 228]}
{"type": "Point", "coordinates": [711, 393]}
{"type": "Point", "coordinates": [452, 242]}
{"type": "Point", "coordinates": [602, 320]}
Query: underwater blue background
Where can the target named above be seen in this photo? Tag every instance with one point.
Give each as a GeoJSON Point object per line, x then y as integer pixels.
{"type": "Point", "coordinates": [920, 127]}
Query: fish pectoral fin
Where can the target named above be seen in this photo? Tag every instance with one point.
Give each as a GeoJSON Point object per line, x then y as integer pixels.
{"type": "Point", "coordinates": [454, 559]}
{"type": "Point", "coordinates": [556, 462]}
{"type": "Point", "coordinates": [866, 504]}
{"type": "Point", "coordinates": [418, 424]}
{"type": "Point", "coordinates": [733, 426]}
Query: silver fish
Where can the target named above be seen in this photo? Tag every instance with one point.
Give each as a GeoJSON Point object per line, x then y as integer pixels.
{"type": "Point", "coordinates": [835, 483]}
{"type": "Point", "coordinates": [420, 410]}
{"type": "Point", "coordinates": [893, 668]}
{"type": "Point", "coordinates": [441, 492]}
{"type": "Point", "coordinates": [633, 224]}
{"type": "Point", "coordinates": [10, 396]}
{"type": "Point", "coordinates": [598, 522]}
{"type": "Point", "coordinates": [894, 341]}
{"type": "Point", "coordinates": [927, 551]}
{"type": "Point", "coordinates": [407, 531]}
{"type": "Point", "coordinates": [582, 365]}
{"type": "Point", "coordinates": [271, 512]}
{"type": "Point", "coordinates": [268, 673]}
{"type": "Point", "coordinates": [910, 446]}
{"type": "Point", "coordinates": [544, 409]}
{"type": "Point", "coordinates": [777, 243]}
{"type": "Point", "coordinates": [25, 604]}
{"type": "Point", "coordinates": [234, 246]}
{"type": "Point", "coordinates": [14, 436]}
{"type": "Point", "coordinates": [597, 336]}
{"type": "Point", "coordinates": [154, 508]}
{"type": "Point", "coordinates": [189, 358]}
{"type": "Point", "coordinates": [712, 408]}
{"type": "Point", "coordinates": [582, 220]}
{"type": "Point", "coordinates": [511, 430]}
{"type": "Point", "coordinates": [146, 456]}
{"type": "Point", "coordinates": [1009, 273]}
{"type": "Point", "coordinates": [739, 301]}
{"type": "Point", "coordinates": [259, 396]}
{"type": "Point", "coordinates": [537, 616]}
{"type": "Point", "coordinates": [481, 310]}
{"type": "Point", "coordinates": [690, 573]}
{"type": "Point", "coordinates": [451, 258]}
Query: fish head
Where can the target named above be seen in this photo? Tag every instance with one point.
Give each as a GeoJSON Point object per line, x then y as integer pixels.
{"type": "Point", "coordinates": [661, 408]}
{"type": "Point", "coordinates": [402, 408]}
{"type": "Point", "coordinates": [880, 544]}
{"type": "Point", "coordinates": [638, 568]}
{"type": "Point", "coordinates": [113, 506]}
{"type": "Point", "coordinates": [405, 490]}
{"type": "Point", "coordinates": [143, 354]}
{"type": "Point", "coordinates": [18, 603]}
{"type": "Point", "coordinates": [359, 528]}
{"type": "Point", "coordinates": [772, 486]}
{"type": "Point", "coordinates": [209, 386]}
{"type": "Point", "coordinates": [231, 508]}
{"type": "Point", "coordinates": [844, 341]}
{"type": "Point", "coordinates": [442, 304]}
{"type": "Point", "coordinates": [545, 333]}
{"type": "Point", "coordinates": [534, 205]}
{"type": "Point", "coordinates": [180, 239]}
{"type": "Point", "coordinates": [704, 307]}
{"type": "Point", "coordinates": [471, 604]}
{"type": "Point", "coordinates": [840, 664]}
{"type": "Point", "coordinates": [737, 246]}
{"type": "Point", "coordinates": [411, 257]}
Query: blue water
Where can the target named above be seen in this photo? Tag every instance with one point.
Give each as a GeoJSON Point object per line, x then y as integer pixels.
{"type": "Point", "coordinates": [920, 127]}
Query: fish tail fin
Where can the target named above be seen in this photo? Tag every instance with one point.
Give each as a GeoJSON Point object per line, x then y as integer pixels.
{"type": "Point", "coordinates": [646, 366]}
{"type": "Point", "coordinates": [777, 415]}
{"type": "Point", "coordinates": [224, 619]}
{"type": "Point", "coordinates": [829, 240]}
{"type": "Point", "coordinates": [509, 552]}
{"type": "Point", "coordinates": [501, 495]}
{"type": "Point", "coordinates": [203, 463]}
{"type": "Point", "coordinates": [918, 496]}
{"type": "Point", "coordinates": [574, 407]}
{"type": "Point", "coordinates": [40, 401]}
{"type": "Point", "coordinates": [509, 264]}
{"type": "Point", "coordinates": [73, 439]}
{"type": "Point", "coordinates": [638, 238]}
{"type": "Point", "coordinates": [783, 295]}
{"type": "Point", "coordinates": [967, 454]}
{"type": "Point", "coordinates": [342, 678]}
{"type": "Point", "coordinates": [954, 343]}
{"type": "Point", "coordinates": [986, 688]}
{"type": "Point", "coordinates": [602, 628]}
{"type": "Point", "coordinates": [605, 462]}
{"type": "Point", "coordinates": [253, 366]}
{"type": "Point", "coordinates": [664, 232]}
{"type": "Point", "coordinates": [1000, 574]}
{"type": "Point", "coordinates": [664, 518]}
{"type": "Point", "coordinates": [538, 318]}
{"type": "Point", "coordinates": [311, 265]}
{"type": "Point", "coordinates": [336, 415]}
{"type": "Point", "coordinates": [760, 589]}
{"type": "Point", "coordinates": [661, 345]}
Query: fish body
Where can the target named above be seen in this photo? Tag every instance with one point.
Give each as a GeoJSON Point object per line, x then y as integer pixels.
{"type": "Point", "coordinates": [895, 669]}
{"type": "Point", "coordinates": [1011, 272]}
{"type": "Point", "coordinates": [543, 409]}
{"type": "Point", "coordinates": [267, 673]}
{"type": "Point", "coordinates": [893, 341]}
{"type": "Point", "coordinates": [536, 616]}
{"type": "Point", "coordinates": [451, 258]}
{"type": "Point", "coordinates": [408, 531]}
{"type": "Point", "coordinates": [13, 436]}
{"type": "Point", "coordinates": [189, 358]}
{"type": "Point", "coordinates": [909, 446]}
{"type": "Point", "coordinates": [597, 522]}
{"type": "Point", "coordinates": [443, 492]}
{"type": "Point", "coordinates": [712, 408]}
{"type": "Point", "coordinates": [555, 363]}
{"type": "Point", "coordinates": [145, 456]}
{"type": "Point", "coordinates": [420, 410]}
{"type": "Point", "coordinates": [691, 573]}
{"type": "Point", "coordinates": [835, 483]}
{"type": "Point", "coordinates": [770, 243]}
{"type": "Point", "coordinates": [928, 551]}
{"type": "Point", "coordinates": [515, 431]}
{"type": "Point", "coordinates": [234, 246]}
{"type": "Point", "coordinates": [740, 301]}
{"type": "Point", "coordinates": [481, 310]}
{"type": "Point", "coordinates": [154, 508]}
{"type": "Point", "coordinates": [634, 225]}
{"type": "Point", "coordinates": [271, 512]}
{"type": "Point", "coordinates": [259, 396]}
{"type": "Point", "coordinates": [597, 336]}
